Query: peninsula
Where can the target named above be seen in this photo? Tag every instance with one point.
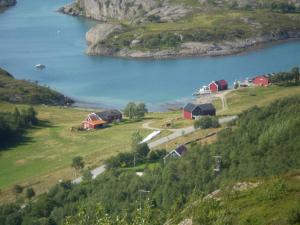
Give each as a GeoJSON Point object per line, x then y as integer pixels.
{"type": "Point", "coordinates": [180, 28]}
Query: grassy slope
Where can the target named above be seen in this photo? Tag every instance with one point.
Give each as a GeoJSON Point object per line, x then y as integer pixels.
{"type": "Point", "coordinates": [259, 205]}
{"type": "Point", "coordinates": [211, 25]}
{"type": "Point", "coordinates": [45, 155]}
{"type": "Point", "coordinates": [51, 146]}
{"type": "Point", "coordinates": [244, 98]}
{"type": "Point", "coordinates": [22, 91]}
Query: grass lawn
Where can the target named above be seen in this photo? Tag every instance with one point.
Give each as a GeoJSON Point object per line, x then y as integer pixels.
{"type": "Point", "coordinates": [189, 137]}
{"type": "Point", "coordinates": [204, 26]}
{"type": "Point", "coordinates": [243, 98]}
{"type": "Point", "coordinates": [174, 119]}
{"type": "Point", "coordinates": [45, 154]}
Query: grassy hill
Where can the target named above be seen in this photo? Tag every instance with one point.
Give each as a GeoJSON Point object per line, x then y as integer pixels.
{"type": "Point", "coordinates": [27, 92]}
{"type": "Point", "coordinates": [259, 149]}
{"type": "Point", "coordinates": [270, 201]}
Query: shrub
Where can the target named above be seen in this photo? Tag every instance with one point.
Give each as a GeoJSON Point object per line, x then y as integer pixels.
{"type": "Point", "coordinates": [18, 189]}
{"type": "Point", "coordinates": [207, 122]}
{"type": "Point", "coordinates": [30, 193]}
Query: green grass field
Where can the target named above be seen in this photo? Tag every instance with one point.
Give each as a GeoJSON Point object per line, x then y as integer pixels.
{"type": "Point", "coordinates": [243, 98]}
{"type": "Point", "coordinates": [209, 26]}
{"type": "Point", "coordinates": [45, 154]}
{"type": "Point", "coordinates": [273, 201]}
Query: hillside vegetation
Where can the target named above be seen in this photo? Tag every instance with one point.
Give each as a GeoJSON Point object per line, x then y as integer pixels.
{"type": "Point", "coordinates": [264, 143]}
{"type": "Point", "coordinates": [27, 92]}
{"type": "Point", "coordinates": [176, 28]}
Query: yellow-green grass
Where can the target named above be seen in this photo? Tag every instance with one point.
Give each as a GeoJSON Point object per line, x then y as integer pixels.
{"type": "Point", "coordinates": [209, 26]}
{"type": "Point", "coordinates": [189, 137]}
{"type": "Point", "coordinates": [47, 151]}
{"type": "Point", "coordinates": [171, 120]}
{"type": "Point", "coordinates": [244, 98]}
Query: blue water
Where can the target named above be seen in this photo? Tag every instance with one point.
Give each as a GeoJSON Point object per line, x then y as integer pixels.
{"type": "Point", "coordinates": [33, 32]}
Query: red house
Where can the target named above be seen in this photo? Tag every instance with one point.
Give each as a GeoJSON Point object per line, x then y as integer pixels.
{"type": "Point", "coordinates": [93, 121]}
{"type": "Point", "coordinates": [192, 111]}
{"type": "Point", "coordinates": [219, 85]}
{"type": "Point", "coordinates": [260, 81]}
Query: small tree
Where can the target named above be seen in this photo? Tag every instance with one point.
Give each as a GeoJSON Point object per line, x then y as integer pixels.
{"type": "Point", "coordinates": [130, 110]}
{"type": "Point", "coordinates": [77, 163]}
{"type": "Point", "coordinates": [18, 189]}
{"type": "Point", "coordinates": [30, 193]}
{"type": "Point", "coordinates": [134, 111]}
{"type": "Point", "coordinates": [141, 110]}
{"type": "Point", "coordinates": [136, 139]}
{"type": "Point", "coordinates": [142, 151]}
{"type": "Point", "coordinates": [206, 122]}
{"type": "Point", "coordinates": [87, 176]}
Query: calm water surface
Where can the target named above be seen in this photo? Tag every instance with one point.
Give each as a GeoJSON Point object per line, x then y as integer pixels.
{"type": "Point", "coordinates": [33, 32]}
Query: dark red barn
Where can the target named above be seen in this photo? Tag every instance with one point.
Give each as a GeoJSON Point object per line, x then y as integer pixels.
{"type": "Point", "coordinates": [192, 111]}
{"type": "Point", "coordinates": [260, 81]}
{"type": "Point", "coordinates": [219, 85]}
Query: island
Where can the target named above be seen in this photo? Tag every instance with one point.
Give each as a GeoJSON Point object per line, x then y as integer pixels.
{"type": "Point", "coordinates": [180, 28]}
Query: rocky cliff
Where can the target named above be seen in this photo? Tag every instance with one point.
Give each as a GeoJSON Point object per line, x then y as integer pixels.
{"type": "Point", "coordinates": [104, 10]}
{"type": "Point", "coordinates": [6, 3]}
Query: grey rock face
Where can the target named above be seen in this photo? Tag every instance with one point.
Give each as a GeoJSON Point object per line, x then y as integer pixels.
{"type": "Point", "coordinates": [104, 10]}
{"type": "Point", "coordinates": [6, 3]}
{"type": "Point", "coordinates": [98, 34]}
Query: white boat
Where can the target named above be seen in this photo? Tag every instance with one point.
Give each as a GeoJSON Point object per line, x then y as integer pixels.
{"type": "Point", "coordinates": [40, 66]}
{"type": "Point", "coordinates": [203, 91]}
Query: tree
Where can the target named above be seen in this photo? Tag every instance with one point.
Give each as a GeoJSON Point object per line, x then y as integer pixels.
{"type": "Point", "coordinates": [77, 163]}
{"type": "Point", "coordinates": [130, 110]}
{"type": "Point", "coordinates": [142, 151]}
{"type": "Point", "coordinates": [87, 176]}
{"type": "Point", "coordinates": [30, 193]}
{"type": "Point", "coordinates": [136, 139]}
{"type": "Point", "coordinates": [18, 189]}
{"type": "Point", "coordinates": [141, 110]}
{"type": "Point", "coordinates": [134, 111]}
{"type": "Point", "coordinates": [206, 122]}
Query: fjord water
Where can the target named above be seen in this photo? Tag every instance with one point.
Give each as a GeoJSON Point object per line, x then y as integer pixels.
{"type": "Point", "coordinates": [33, 32]}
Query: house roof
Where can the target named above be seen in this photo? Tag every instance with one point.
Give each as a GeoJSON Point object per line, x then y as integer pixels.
{"type": "Point", "coordinates": [221, 82]}
{"type": "Point", "coordinates": [189, 107]}
{"type": "Point", "coordinates": [181, 149]}
{"type": "Point", "coordinates": [207, 106]}
{"type": "Point", "coordinates": [108, 113]}
{"type": "Point", "coordinates": [261, 77]}
{"type": "Point", "coordinates": [96, 122]}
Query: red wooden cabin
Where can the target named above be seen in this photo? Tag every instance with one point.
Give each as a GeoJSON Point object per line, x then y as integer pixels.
{"type": "Point", "coordinates": [219, 85]}
{"type": "Point", "coordinates": [261, 81]}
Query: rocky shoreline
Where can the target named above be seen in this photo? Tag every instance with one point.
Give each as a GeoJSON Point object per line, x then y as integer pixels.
{"type": "Point", "coordinates": [99, 33]}
{"type": "Point", "coordinates": [137, 11]}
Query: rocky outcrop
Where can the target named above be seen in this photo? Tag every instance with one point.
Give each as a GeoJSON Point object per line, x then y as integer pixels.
{"type": "Point", "coordinates": [137, 10]}
{"type": "Point", "coordinates": [96, 35]}
{"type": "Point", "coordinates": [7, 3]}
{"type": "Point", "coordinates": [196, 48]}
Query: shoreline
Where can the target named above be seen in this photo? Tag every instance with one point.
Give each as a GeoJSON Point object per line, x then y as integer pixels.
{"type": "Point", "coordinates": [172, 55]}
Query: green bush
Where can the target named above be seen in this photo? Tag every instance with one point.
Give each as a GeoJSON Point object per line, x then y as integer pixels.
{"type": "Point", "coordinates": [30, 193]}
{"type": "Point", "coordinates": [206, 122]}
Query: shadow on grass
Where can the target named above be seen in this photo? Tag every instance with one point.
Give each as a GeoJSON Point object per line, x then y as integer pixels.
{"type": "Point", "coordinates": [21, 138]}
